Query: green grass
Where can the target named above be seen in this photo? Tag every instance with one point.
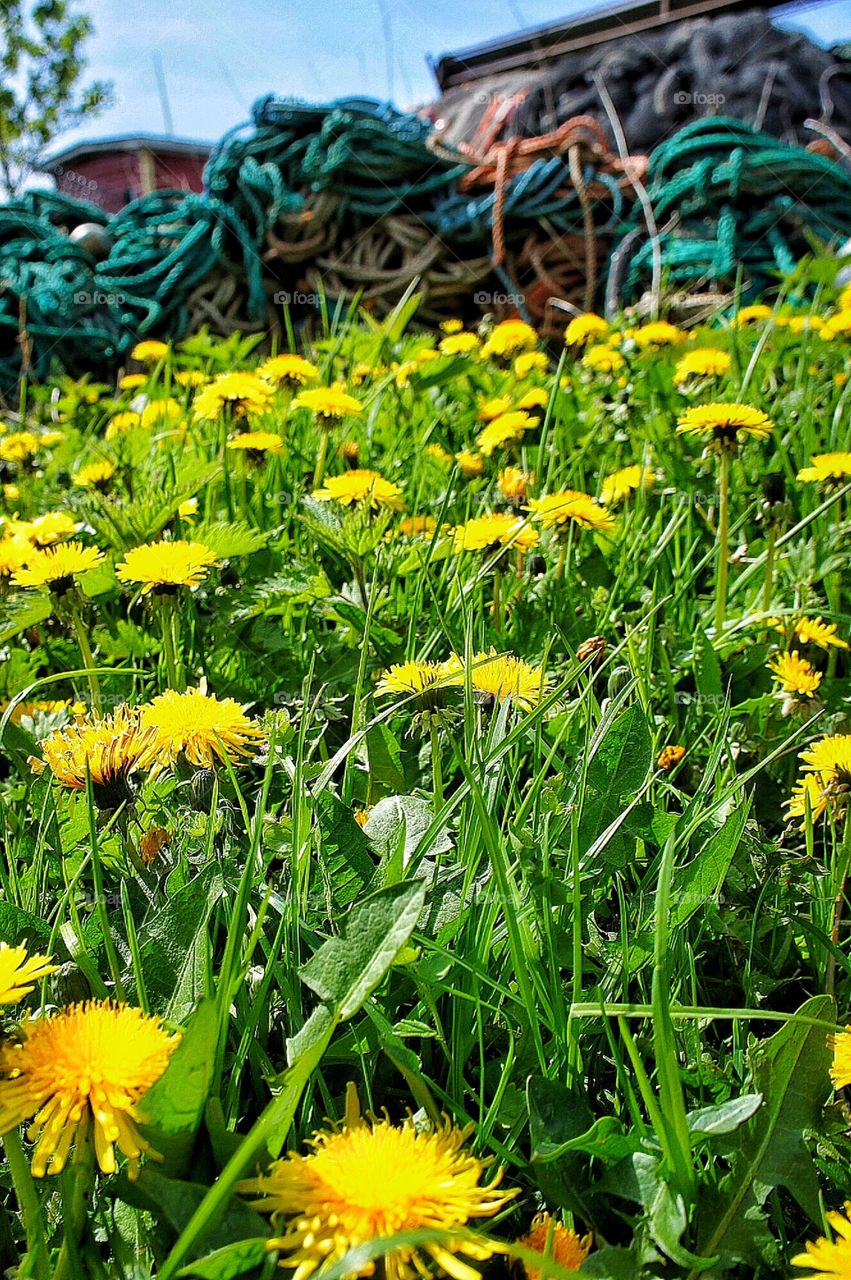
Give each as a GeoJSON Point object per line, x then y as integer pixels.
{"type": "Point", "coordinates": [623, 979]}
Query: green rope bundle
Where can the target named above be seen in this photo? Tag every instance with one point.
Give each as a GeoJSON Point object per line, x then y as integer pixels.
{"type": "Point", "coordinates": [390, 201]}
{"type": "Point", "coordinates": [726, 197]}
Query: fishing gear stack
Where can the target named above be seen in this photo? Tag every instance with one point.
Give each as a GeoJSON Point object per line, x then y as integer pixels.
{"type": "Point", "coordinates": [357, 199]}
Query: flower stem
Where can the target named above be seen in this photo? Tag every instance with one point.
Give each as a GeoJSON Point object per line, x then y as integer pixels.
{"type": "Point", "coordinates": [768, 581]}
{"type": "Point", "coordinates": [436, 766]}
{"type": "Point", "coordinates": [840, 879]}
{"type": "Point", "coordinates": [74, 1206]}
{"type": "Point", "coordinates": [29, 1205]}
{"type": "Point", "coordinates": [321, 458]}
{"type": "Point", "coordinates": [723, 542]}
{"type": "Point", "coordinates": [174, 674]}
{"type": "Point", "coordinates": [88, 660]}
{"type": "Point", "coordinates": [497, 600]}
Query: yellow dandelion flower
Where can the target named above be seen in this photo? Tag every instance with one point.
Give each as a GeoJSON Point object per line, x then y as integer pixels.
{"type": "Point", "coordinates": [508, 339]}
{"type": "Point", "coordinates": [371, 1180]}
{"type": "Point", "coordinates": [20, 972]}
{"type": "Point", "coordinates": [838, 325]}
{"type": "Point", "coordinates": [94, 475]}
{"type": "Point", "coordinates": [257, 442]}
{"type": "Point", "coordinates": [41, 706]}
{"type": "Point", "coordinates": [107, 748]}
{"type": "Point", "coordinates": [427, 682]}
{"type": "Point", "coordinates": [840, 1068]}
{"type": "Point", "coordinates": [758, 313]}
{"type": "Point", "coordinates": [245, 395]}
{"type": "Point", "coordinates": [48, 439]}
{"type": "Point", "coordinates": [13, 555]}
{"type": "Point", "coordinates": [829, 1259]}
{"type": "Point", "coordinates": [496, 529]}
{"type": "Point", "coordinates": [426, 354]}
{"type": "Point", "coordinates": [57, 567]}
{"type": "Point", "coordinates": [825, 467]}
{"type": "Point", "coordinates": [513, 484]}
{"type": "Point", "coordinates": [658, 333]}
{"type": "Point", "coordinates": [349, 451]}
{"type": "Point", "coordinates": [493, 408]}
{"type": "Point", "coordinates": [190, 378]}
{"type": "Point", "coordinates": [497, 676]}
{"type": "Point", "coordinates": [794, 675]}
{"type": "Point", "coordinates": [149, 352]}
{"type": "Point", "coordinates": [132, 381]}
{"type": "Point", "coordinates": [82, 1072]}
{"type": "Point", "coordinates": [161, 413]}
{"type": "Point", "coordinates": [438, 454]}
{"type": "Point", "coordinates": [18, 446]}
{"type": "Point", "coordinates": [529, 362]}
{"type": "Point", "coordinates": [417, 527]}
{"type": "Point", "coordinates": [45, 530]}
{"type": "Point", "coordinates": [622, 484]}
{"type": "Point", "coordinates": [122, 422]}
{"type": "Point", "coordinates": [289, 370]}
{"type": "Point", "coordinates": [328, 403]}
{"type": "Point", "coordinates": [584, 329]}
{"type": "Point", "coordinates": [533, 400]}
{"type": "Point", "coordinates": [725, 423]}
{"type": "Point", "coordinates": [703, 362]}
{"type": "Point", "coordinates": [459, 344]}
{"type": "Point", "coordinates": [831, 753]}
{"type": "Point", "coordinates": [166, 566]}
{"type": "Point", "coordinates": [199, 726]}
{"type": "Point", "coordinates": [603, 359]}
{"type": "Point", "coordinates": [470, 464]}
{"type": "Point", "coordinates": [361, 488]}
{"type": "Point", "coordinates": [808, 793]}
{"type": "Point", "coordinates": [11, 493]}
{"type": "Point", "coordinates": [817, 631]}
{"type": "Point", "coordinates": [570, 506]}
{"type": "Point", "coordinates": [800, 324]}
{"type": "Point", "coordinates": [553, 1240]}
{"type": "Point", "coordinates": [826, 781]}
{"type": "Point", "coordinates": [508, 428]}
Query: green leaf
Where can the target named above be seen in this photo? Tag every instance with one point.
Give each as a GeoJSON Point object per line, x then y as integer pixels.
{"type": "Point", "coordinates": [345, 848]}
{"type": "Point", "coordinates": [557, 1114]}
{"type": "Point", "coordinates": [726, 1116]}
{"type": "Point", "coordinates": [790, 1070]}
{"type": "Point", "coordinates": [232, 1260]}
{"type": "Point", "coordinates": [175, 944]}
{"type": "Point", "coordinates": [229, 538]}
{"type": "Point", "coordinates": [616, 771]}
{"type": "Point", "coordinates": [384, 756]}
{"type": "Point", "coordinates": [707, 673]}
{"type": "Point", "coordinates": [703, 877]}
{"type": "Point", "coordinates": [345, 970]}
{"type": "Point", "coordinates": [174, 1107]}
{"type": "Point", "coordinates": [173, 1203]}
{"type": "Point", "coordinates": [405, 820]}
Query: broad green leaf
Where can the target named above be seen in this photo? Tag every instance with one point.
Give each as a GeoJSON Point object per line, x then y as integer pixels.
{"type": "Point", "coordinates": [173, 1203]}
{"type": "Point", "coordinates": [384, 757]}
{"type": "Point", "coordinates": [790, 1070]}
{"type": "Point", "coordinates": [703, 876]}
{"type": "Point", "coordinates": [406, 819]}
{"type": "Point", "coordinates": [345, 970]}
{"type": "Point", "coordinates": [174, 1107]}
{"type": "Point", "coordinates": [232, 1260]}
{"type": "Point", "coordinates": [726, 1116]}
{"type": "Point", "coordinates": [175, 943]}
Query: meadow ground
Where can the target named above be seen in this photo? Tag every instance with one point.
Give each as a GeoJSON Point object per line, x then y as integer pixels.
{"type": "Point", "coordinates": [426, 763]}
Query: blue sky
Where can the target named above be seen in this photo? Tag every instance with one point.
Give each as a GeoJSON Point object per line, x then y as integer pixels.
{"type": "Point", "coordinates": [218, 56]}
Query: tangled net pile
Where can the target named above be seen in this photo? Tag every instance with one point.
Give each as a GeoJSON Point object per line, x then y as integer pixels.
{"type": "Point", "coordinates": [356, 197]}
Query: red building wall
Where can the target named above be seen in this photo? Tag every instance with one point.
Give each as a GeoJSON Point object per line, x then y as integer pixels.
{"type": "Point", "coordinates": [111, 179]}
